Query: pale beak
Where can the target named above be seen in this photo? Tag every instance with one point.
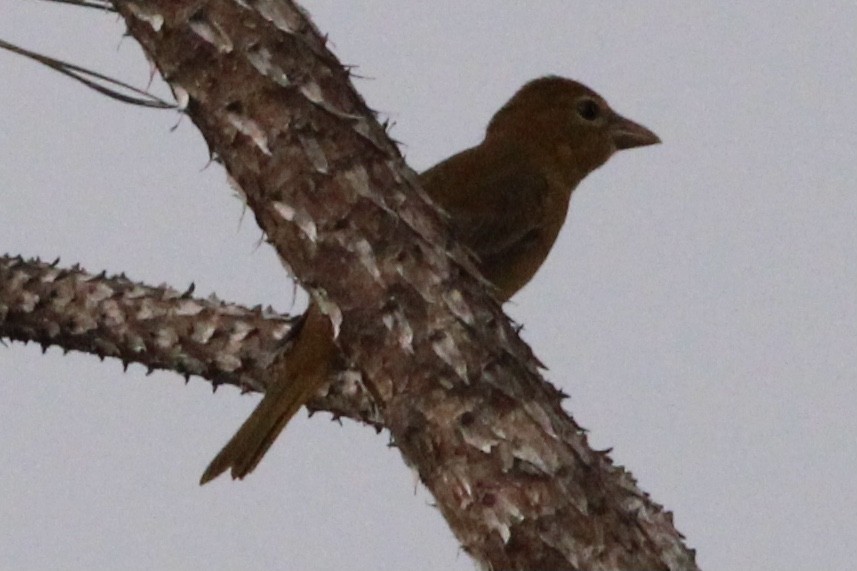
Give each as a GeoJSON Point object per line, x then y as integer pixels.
{"type": "Point", "coordinates": [626, 134]}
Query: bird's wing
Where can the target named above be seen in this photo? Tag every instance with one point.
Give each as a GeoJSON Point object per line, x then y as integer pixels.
{"type": "Point", "coordinates": [507, 217]}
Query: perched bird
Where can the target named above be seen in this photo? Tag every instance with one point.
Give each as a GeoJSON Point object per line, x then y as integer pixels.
{"type": "Point", "coordinates": [507, 199]}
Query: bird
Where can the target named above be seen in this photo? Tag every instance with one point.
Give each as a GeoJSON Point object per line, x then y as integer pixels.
{"type": "Point", "coordinates": [506, 200]}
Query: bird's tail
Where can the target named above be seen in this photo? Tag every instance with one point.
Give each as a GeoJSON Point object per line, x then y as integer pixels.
{"type": "Point", "coordinates": [296, 377]}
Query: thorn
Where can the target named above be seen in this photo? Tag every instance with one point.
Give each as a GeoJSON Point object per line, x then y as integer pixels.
{"type": "Point", "coordinates": [189, 290]}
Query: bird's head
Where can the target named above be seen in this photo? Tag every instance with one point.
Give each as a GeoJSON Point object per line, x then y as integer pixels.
{"type": "Point", "coordinates": [567, 123]}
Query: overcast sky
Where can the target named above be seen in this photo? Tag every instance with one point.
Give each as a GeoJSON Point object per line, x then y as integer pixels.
{"type": "Point", "coordinates": [700, 306]}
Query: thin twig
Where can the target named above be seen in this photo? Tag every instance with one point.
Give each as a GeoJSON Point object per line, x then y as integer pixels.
{"type": "Point", "coordinates": [96, 4]}
{"type": "Point", "coordinates": [93, 79]}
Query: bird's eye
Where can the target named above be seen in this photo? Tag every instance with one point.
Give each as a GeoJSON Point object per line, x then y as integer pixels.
{"type": "Point", "coordinates": [588, 109]}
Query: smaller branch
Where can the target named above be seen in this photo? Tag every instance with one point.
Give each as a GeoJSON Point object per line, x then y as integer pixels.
{"type": "Point", "coordinates": [93, 79]}
{"type": "Point", "coordinates": [103, 5]}
{"type": "Point", "coordinates": [157, 327]}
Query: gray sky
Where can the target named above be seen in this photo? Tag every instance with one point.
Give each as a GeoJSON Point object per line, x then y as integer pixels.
{"type": "Point", "coordinates": [700, 306]}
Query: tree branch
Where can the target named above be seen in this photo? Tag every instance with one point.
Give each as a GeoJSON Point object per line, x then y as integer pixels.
{"type": "Point", "coordinates": [158, 328]}
{"type": "Point", "coordinates": [459, 391]}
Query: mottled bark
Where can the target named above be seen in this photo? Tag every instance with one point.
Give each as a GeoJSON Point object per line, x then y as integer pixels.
{"type": "Point", "coordinates": [459, 391]}
{"type": "Point", "coordinates": [158, 328]}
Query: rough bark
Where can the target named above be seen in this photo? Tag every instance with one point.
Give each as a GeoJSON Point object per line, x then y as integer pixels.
{"type": "Point", "coordinates": [459, 391]}
{"type": "Point", "coordinates": [157, 327]}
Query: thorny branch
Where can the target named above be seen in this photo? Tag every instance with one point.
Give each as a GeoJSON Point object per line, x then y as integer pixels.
{"type": "Point", "coordinates": [460, 393]}
{"type": "Point", "coordinates": [156, 327]}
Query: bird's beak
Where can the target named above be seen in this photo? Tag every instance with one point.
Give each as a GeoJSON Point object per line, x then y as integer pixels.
{"type": "Point", "coordinates": [626, 134]}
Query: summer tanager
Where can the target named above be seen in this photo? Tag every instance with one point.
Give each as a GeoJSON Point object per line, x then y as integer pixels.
{"type": "Point", "coordinates": [507, 199]}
